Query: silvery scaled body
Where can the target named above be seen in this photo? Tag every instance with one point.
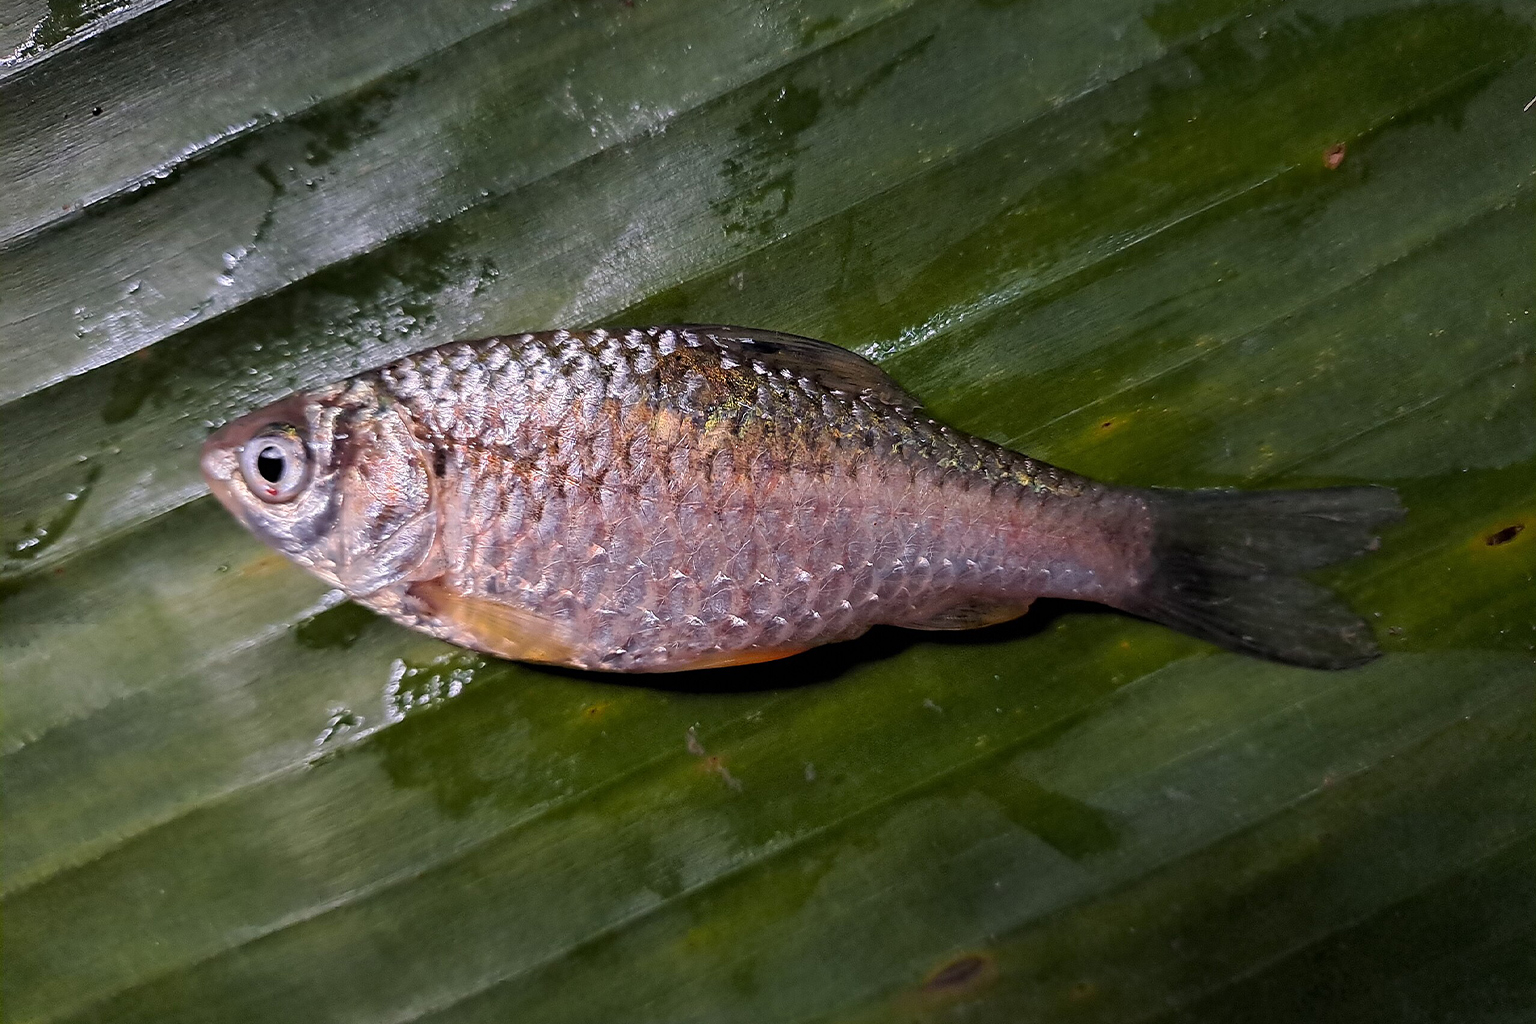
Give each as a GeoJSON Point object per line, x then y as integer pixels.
{"type": "Point", "coordinates": [686, 497]}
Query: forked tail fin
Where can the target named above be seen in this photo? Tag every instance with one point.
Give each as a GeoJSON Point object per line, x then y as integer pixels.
{"type": "Point", "coordinates": [1226, 567]}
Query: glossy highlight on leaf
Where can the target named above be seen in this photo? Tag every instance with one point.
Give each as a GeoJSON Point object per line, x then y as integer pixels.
{"type": "Point", "coordinates": [1185, 243]}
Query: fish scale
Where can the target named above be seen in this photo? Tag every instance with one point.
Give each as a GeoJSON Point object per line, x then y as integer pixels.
{"type": "Point", "coordinates": [682, 497]}
{"type": "Point", "coordinates": [723, 445]}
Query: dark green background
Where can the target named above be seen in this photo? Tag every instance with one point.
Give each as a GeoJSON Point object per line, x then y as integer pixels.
{"type": "Point", "coordinates": [1109, 233]}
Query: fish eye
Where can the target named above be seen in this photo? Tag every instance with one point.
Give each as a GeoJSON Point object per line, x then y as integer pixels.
{"type": "Point", "coordinates": [275, 464]}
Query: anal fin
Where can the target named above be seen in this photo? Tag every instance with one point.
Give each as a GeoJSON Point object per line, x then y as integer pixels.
{"type": "Point", "coordinates": [972, 615]}
{"type": "Point", "coordinates": [743, 656]}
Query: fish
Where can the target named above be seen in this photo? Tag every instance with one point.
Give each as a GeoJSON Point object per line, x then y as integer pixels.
{"type": "Point", "coordinates": [696, 496]}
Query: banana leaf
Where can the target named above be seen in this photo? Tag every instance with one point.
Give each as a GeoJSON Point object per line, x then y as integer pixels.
{"type": "Point", "coordinates": [1184, 242]}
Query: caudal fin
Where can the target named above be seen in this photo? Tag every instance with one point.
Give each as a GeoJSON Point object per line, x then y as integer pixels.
{"type": "Point", "coordinates": [1227, 563]}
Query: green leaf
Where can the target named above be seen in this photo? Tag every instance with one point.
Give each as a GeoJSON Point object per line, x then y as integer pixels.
{"type": "Point", "coordinates": [1187, 243]}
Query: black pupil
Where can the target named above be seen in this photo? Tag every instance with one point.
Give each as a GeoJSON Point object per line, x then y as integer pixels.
{"type": "Point", "coordinates": [269, 463]}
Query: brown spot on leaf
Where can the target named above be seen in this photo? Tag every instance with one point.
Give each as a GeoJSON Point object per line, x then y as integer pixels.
{"type": "Point", "coordinates": [1334, 156]}
{"type": "Point", "coordinates": [1082, 992]}
{"type": "Point", "coordinates": [711, 763]}
{"type": "Point", "coordinates": [263, 565]}
{"type": "Point", "coordinates": [1505, 535]}
{"type": "Point", "coordinates": [962, 974]}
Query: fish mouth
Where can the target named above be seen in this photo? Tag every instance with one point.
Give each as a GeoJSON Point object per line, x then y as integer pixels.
{"type": "Point", "coordinates": [218, 462]}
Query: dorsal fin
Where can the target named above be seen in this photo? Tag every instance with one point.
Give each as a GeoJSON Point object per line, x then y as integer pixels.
{"type": "Point", "coordinates": [827, 364]}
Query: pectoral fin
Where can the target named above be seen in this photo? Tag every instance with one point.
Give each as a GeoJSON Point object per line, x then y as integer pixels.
{"type": "Point", "coordinates": [494, 627]}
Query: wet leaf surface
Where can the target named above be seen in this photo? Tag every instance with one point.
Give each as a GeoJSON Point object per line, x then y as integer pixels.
{"type": "Point", "coordinates": [1188, 243]}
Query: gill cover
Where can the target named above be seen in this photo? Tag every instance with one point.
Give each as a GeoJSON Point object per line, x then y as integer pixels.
{"type": "Point", "coordinates": [387, 524]}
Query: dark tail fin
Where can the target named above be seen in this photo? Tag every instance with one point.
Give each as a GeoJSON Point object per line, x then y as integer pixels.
{"type": "Point", "coordinates": [1227, 563]}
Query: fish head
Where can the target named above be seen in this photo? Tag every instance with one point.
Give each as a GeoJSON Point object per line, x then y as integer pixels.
{"type": "Point", "coordinates": [336, 480]}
